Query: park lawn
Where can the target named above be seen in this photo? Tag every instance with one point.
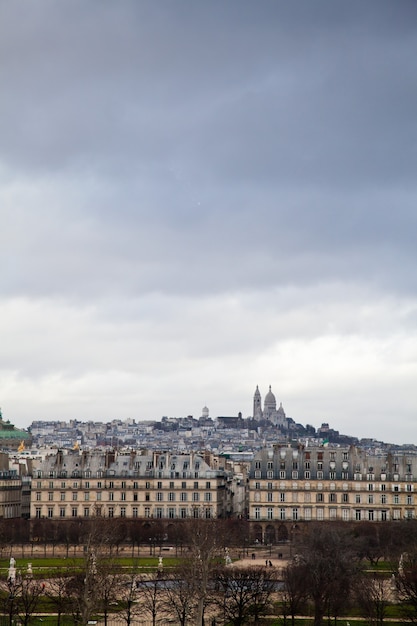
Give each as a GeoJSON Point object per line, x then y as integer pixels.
{"type": "Point", "coordinates": [45, 567]}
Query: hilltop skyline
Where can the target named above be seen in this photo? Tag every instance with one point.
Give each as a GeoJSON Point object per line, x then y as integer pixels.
{"type": "Point", "coordinates": [197, 198]}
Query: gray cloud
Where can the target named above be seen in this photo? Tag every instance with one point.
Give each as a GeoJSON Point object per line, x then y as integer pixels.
{"type": "Point", "coordinates": [187, 186]}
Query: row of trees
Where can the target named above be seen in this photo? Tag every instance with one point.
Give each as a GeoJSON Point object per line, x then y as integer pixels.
{"type": "Point", "coordinates": [333, 568]}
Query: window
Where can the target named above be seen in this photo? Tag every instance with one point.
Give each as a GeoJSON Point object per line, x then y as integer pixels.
{"type": "Point", "coordinates": [196, 496]}
{"type": "Point", "coordinates": [183, 513]}
{"type": "Point", "coordinates": [38, 512]}
{"type": "Point", "coordinates": [295, 514]}
{"type": "Point", "coordinates": [319, 497]}
{"type": "Point", "coordinates": [183, 496]}
{"type": "Point", "coordinates": [123, 485]}
{"type": "Point", "coordinates": [307, 475]}
{"type": "Point", "coordinates": [50, 511]}
{"type": "Point", "coordinates": [409, 499]}
{"type": "Point", "coordinates": [307, 513]}
{"type": "Point", "coordinates": [62, 495]}
{"type": "Point", "coordinates": [111, 484]}
{"type": "Point", "coordinates": [345, 515]}
{"type": "Point", "coordinates": [159, 496]}
{"type": "Point", "coordinates": [384, 516]}
{"type": "Point", "coordinates": [282, 497]}
{"type": "Point", "coordinates": [282, 514]}
{"type": "Point", "coordinates": [333, 513]}
{"type": "Point", "coordinates": [147, 511]}
{"type": "Point", "coordinates": [207, 496]}
{"type": "Point", "coordinates": [86, 512]}
{"type": "Point", "coordinates": [98, 495]}
{"type": "Point", "coordinates": [74, 495]}
{"type": "Point", "coordinates": [111, 496]}
{"type": "Point", "coordinates": [270, 512]}
{"type": "Point", "coordinates": [62, 511]}
{"type": "Point", "coordinates": [383, 498]}
{"type": "Point", "coordinates": [135, 511]}
{"type": "Point", "coordinates": [111, 511]}
{"type": "Point", "coordinates": [123, 496]}
{"type": "Point", "coordinates": [370, 498]}
{"type": "Point", "coordinates": [358, 515]}
{"type": "Point", "coordinates": [122, 511]}
{"type": "Point", "coordinates": [269, 496]}
{"type": "Point", "coordinates": [171, 513]}
{"type": "Point", "coordinates": [38, 495]}
{"type": "Point", "coordinates": [87, 484]}
{"type": "Point", "coordinates": [86, 495]}
{"type": "Point", "coordinates": [358, 498]}
{"type": "Point", "coordinates": [196, 485]}
{"type": "Point", "coordinates": [159, 485]}
{"type": "Point", "coordinates": [171, 496]}
{"type": "Point", "coordinates": [257, 513]}
{"type": "Point", "coordinates": [320, 475]}
{"type": "Point", "coordinates": [74, 511]}
{"type": "Point", "coordinates": [208, 485]}
{"type": "Point", "coordinates": [345, 497]}
{"type": "Point", "coordinates": [320, 514]}
{"type": "Point", "coordinates": [396, 499]}
{"type": "Point", "coordinates": [63, 485]}
{"type": "Point", "coordinates": [333, 497]}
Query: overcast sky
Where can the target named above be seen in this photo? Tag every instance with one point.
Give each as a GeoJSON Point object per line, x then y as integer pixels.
{"type": "Point", "coordinates": [198, 197]}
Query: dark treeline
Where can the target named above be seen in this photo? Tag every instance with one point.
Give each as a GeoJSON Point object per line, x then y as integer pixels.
{"type": "Point", "coordinates": [331, 569]}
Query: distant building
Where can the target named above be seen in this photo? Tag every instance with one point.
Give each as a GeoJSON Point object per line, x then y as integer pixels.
{"type": "Point", "coordinates": [270, 413]}
{"type": "Point", "coordinates": [12, 438]}
{"type": "Point", "coordinates": [159, 485]}
{"type": "Point", "coordinates": [319, 483]}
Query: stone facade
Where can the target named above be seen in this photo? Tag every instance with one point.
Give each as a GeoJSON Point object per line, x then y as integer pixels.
{"type": "Point", "coordinates": [157, 485]}
{"type": "Point", "coordinates": [292, 484]}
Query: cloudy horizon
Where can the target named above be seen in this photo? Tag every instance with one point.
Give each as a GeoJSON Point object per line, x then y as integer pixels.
{"type": "Point", "coordinates": [197, 198]}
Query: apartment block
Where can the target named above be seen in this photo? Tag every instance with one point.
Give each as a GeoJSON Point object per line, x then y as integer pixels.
{"type": "Point", "coordinates": [73, 484]}
{"type": "Point", "coordinates": [291, 484]}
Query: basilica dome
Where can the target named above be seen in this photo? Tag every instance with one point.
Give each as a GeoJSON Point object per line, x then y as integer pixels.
{"type": "Point", "coordinates": [270, 398]}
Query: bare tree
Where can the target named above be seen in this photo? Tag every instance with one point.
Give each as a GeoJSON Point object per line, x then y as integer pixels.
{"type": "Point", "coordinates": [295, 593]}
{"type": "Point", "coordinates": [245, 593]}
{"type": "Point", "coordinates": [330, 566]}
{"type": "Point", "coordinates": [205, 538]}
{"type": "Point", "coordinates": [372, 595]}
{"type": "Point", "coordinates": [28, 594]}
{"type": "Point", "coordinates": [406, 584]}
{"type": "Point", "coordinates": [181, 598]}
{"type": "Point", "coordinates": [151, 597]}
{"type": "Point", "coordinates": [108, 580]}
{"type": "Point", "coordinates": [57, 593]}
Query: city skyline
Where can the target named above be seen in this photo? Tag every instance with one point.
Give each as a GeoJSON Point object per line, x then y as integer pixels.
{"type": "Point", "coordinates": [198, 198]}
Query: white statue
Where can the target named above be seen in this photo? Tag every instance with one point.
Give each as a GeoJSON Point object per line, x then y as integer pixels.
{"type": "Point", "coordinates": [11, 576]}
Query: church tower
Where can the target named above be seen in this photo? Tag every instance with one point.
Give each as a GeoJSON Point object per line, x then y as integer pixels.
{"type": "Point", "coordinates": [257, 405]}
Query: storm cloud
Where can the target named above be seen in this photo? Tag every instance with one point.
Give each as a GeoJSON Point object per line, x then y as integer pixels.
{"type": "Point", "coordinates": [198, 197]}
